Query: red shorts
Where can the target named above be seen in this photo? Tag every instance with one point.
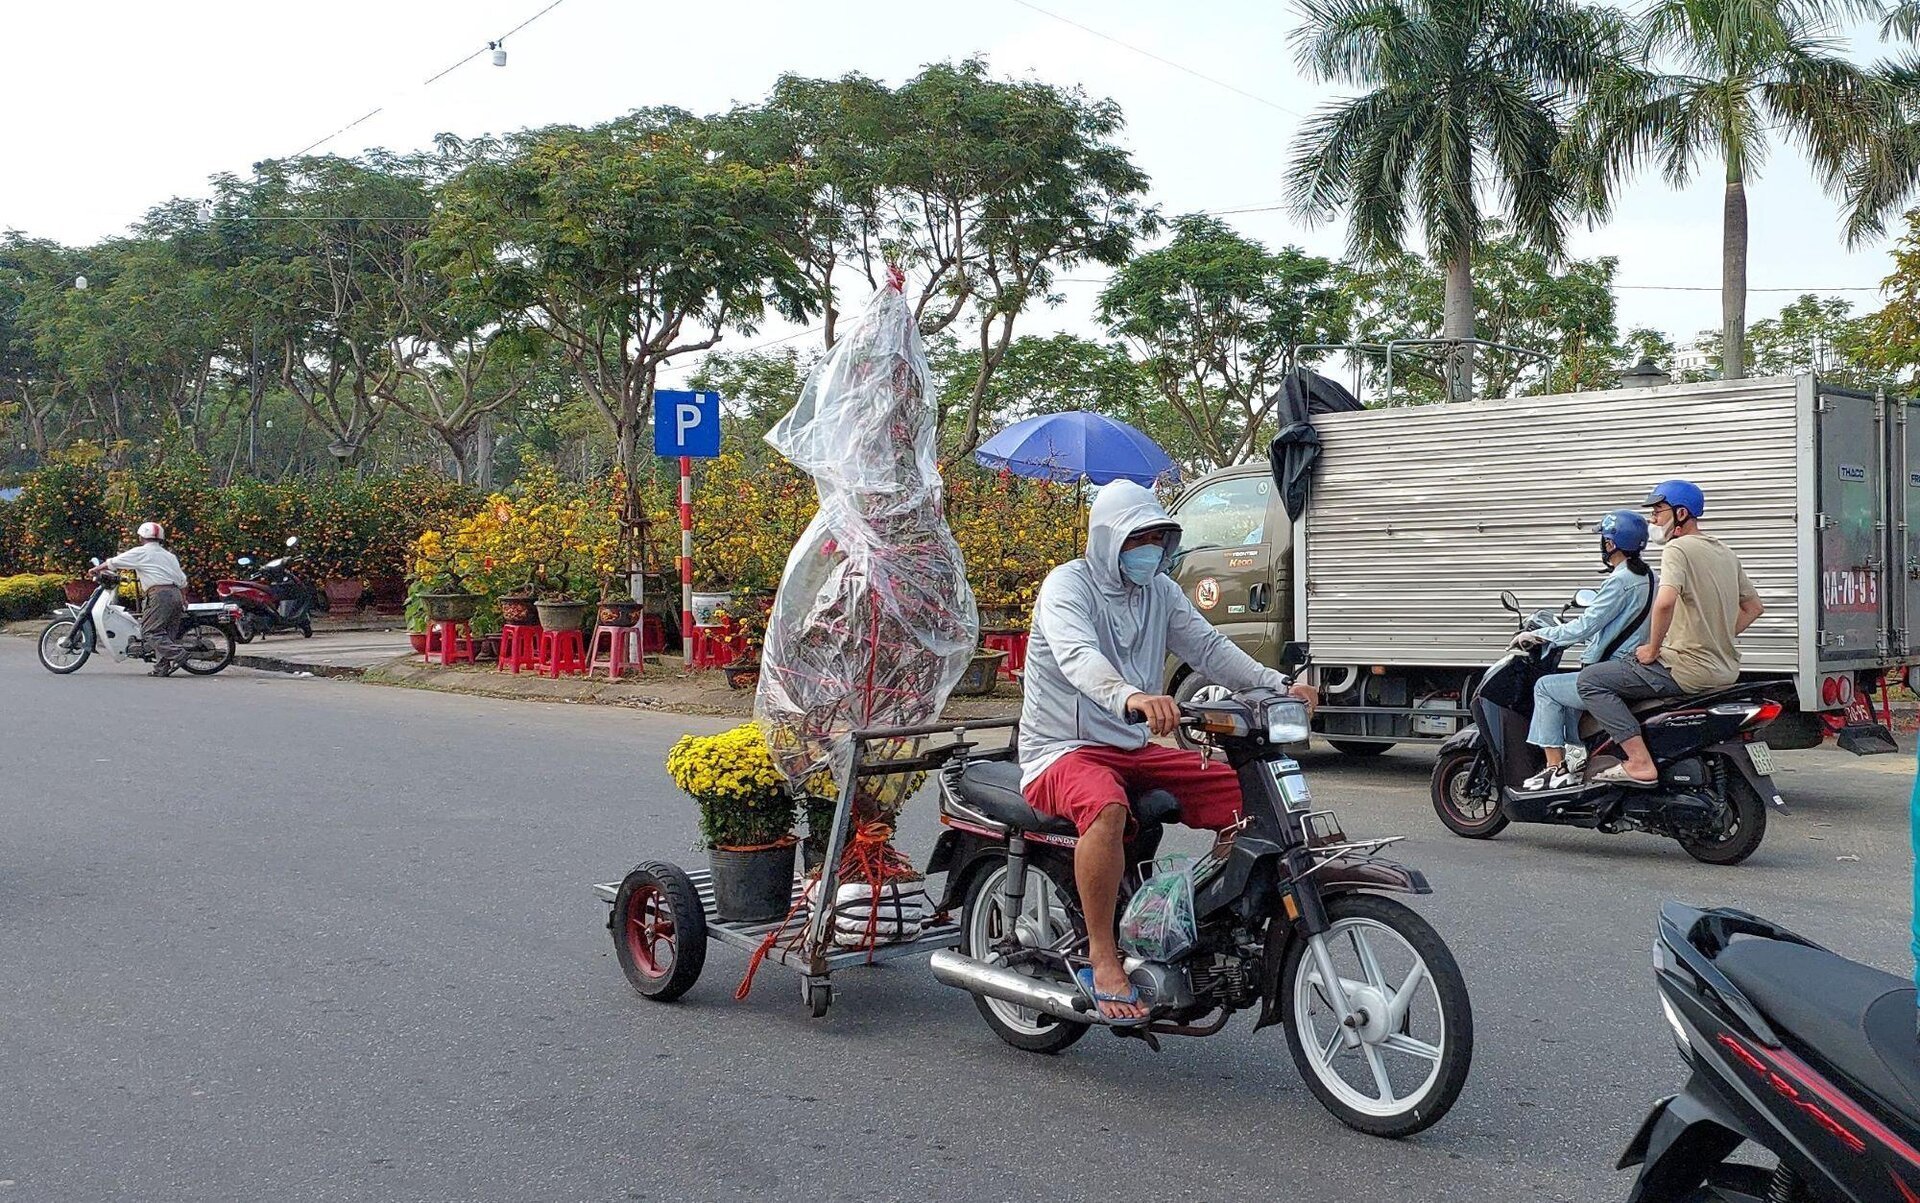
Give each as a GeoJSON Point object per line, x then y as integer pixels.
{"type": "Point", "coordinates": [1086, 781]}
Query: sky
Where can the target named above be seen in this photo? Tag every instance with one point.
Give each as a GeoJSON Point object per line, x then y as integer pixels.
{"type": "Point", "coordinates": [110, 107]}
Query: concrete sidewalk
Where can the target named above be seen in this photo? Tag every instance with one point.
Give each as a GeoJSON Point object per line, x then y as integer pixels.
{"type": "Point", "coordinates": [327, 654]}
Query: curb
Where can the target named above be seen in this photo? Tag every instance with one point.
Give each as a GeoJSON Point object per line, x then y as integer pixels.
{"type": "Point", "coordinates": [290, 665]}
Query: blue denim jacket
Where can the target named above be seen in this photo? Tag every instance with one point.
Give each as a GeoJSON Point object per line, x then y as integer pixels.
{"type": "Point", "coordinates": [1621, 599]}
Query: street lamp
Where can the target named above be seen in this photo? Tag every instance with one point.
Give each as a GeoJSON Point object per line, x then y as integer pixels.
{"type": "Point", "coordinates": [80, 283]}
{"type": "Point", "coordinates": [1645, 374]}
{"type": "Point", "coordinates": [499, 54]}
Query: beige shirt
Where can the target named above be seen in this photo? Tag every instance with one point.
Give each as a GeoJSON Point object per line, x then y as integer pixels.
{"type": "Point", "coordinates": [1699, 649]}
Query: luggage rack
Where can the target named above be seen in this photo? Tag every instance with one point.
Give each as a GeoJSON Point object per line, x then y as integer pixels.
{"type": "Point", "coordinates": [803, 939]}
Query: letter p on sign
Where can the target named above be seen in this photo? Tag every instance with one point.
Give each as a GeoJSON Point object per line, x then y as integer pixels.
{"type": "Point", "coordinates": [686, 423]}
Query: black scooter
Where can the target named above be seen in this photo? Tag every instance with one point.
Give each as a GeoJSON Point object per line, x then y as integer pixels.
{"type": "Point", "coordinates": [1809, 1055]}
{"type": "Point", "coordinates": [1715, 776]}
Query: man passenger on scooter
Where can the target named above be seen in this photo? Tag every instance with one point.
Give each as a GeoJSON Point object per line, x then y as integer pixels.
{"type": "Point", "coordinates": [1102, 629]}
{"type": "Point", "coordinates": [1704, 602]}
{"type": "Point", "coordinates": [161, 579]}
{"type": "Point", "coordinates": [1613, 628]}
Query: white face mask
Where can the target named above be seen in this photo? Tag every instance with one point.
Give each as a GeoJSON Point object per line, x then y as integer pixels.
{"type": "Point", "coordinates": [1658, 535]}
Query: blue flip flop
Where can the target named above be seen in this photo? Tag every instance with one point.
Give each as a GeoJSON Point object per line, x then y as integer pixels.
{"type": "Point", "coordinates": [1132, 997]}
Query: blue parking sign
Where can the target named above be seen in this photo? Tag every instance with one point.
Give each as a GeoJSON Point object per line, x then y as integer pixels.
{"type": "Point", "coordinates": [686, 423]}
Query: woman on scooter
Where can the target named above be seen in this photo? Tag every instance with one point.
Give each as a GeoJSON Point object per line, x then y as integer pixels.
{"type": "Point", "coordinates": [1612, 627]}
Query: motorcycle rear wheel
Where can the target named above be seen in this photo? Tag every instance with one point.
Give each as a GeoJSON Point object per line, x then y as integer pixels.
{"type": "Point", "coordinates": [1746, 823]}
{"type": "Point", "coordinates": [1393, 952]}
{"type": "Point", "coordinates": [209, 648]}
{"type": "Point", "coordinates": [56, 659]}
{"type": "Point", "coordinates": [1475, 816]}
{"type": "Point", "coordinates": [984, 923]}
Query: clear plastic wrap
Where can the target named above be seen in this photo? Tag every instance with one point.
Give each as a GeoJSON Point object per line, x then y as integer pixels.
{"type": "Point", "coordinates": [874, 622]}
{"type": "Point", "coordinates": [1159, 922]}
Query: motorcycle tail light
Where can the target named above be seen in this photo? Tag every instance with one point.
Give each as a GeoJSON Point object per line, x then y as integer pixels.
{"type": "Point", "coordinates": [1768, 712]}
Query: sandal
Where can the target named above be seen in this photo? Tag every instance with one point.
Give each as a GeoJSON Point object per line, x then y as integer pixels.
{"type": "Point", "coordinates": [1132, 998]}
{"type": "Point", "coordinates": [1617, 775]}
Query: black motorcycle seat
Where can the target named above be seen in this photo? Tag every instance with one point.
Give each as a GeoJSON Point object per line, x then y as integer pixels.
{"type": "Point", "coordinates": [1858, 1018]}
{"type": "Point", "coordinates": [992, 787]}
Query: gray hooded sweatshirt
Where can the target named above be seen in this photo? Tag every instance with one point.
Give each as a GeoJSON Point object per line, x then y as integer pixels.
{"type": "Point", "coordinates": [1098, 639]}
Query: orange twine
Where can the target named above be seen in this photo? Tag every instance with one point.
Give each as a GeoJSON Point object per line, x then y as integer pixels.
{"type": "Point", "coordinates": [869, 858]}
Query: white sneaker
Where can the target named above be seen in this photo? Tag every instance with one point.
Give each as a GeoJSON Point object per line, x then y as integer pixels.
{"type": "Point", "coordinates": [1541, 780]}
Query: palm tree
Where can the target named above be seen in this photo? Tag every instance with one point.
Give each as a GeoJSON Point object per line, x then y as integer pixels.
{"type": "Point", "coordinates": [1740, 70]}
{"type": "Point", "coordinates": [1454, 86]}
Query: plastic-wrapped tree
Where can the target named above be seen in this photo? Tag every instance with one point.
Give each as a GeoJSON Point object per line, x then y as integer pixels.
{"type": "Point", "coordinates": [874, 622]}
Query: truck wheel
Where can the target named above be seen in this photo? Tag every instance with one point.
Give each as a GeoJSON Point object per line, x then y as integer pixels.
{"type": "Point", "coordinates": [1356, 747]}
{"type": "Point", "coordinates": [1468, 806]}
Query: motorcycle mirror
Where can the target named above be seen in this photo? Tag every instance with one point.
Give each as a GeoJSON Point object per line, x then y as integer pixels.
{"type": "Point", "coordinates": [245, 561]}
{"type": "Point", "coordinates": [293, 540]}
{"type": "Point", "coordinates": [1585, 598]}
{"type": "Point", "coordinates": [93, 561]}
{"type": "Point", "coordinates": [1509, 602]}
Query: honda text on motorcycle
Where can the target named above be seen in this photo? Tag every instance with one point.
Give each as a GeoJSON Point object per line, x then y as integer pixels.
{"type": "Point", "coordinates": [1290, 917]}
{"type": "Point", "coordinates": [1715, 774]}
{"type": "Point", "coordinates": [1794, 1049]}
{"type": "Point", "coordinates": [102, 623]}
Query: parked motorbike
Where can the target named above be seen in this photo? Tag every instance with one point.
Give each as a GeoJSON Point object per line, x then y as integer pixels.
{"type": "Point", "coordinates": [1715, 773]}
{"type": "Point", "coordinates": [1292, 918]}
{"type": "Point", "coordinates": [1791, 1047]}
{"type": "Point", "coordinates": [207, 633]}
{"type": "Point", "coordinates": [272, 597]}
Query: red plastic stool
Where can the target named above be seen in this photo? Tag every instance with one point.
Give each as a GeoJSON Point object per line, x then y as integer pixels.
{"type": "Point", "coordinates": [653, 634]}
{"type": "Point", "coordinates": [621, 651]}
{"type": "Point", "coordinates": [563, 652]}
{"type": "Point", "coordinates": [717, 647]}
{"type": "Point", "coordinates": [451, 641]}
{"type": "Point", "coordinates": [1014, 644]}
{"type": "Point", "coordinates": [519, 647]}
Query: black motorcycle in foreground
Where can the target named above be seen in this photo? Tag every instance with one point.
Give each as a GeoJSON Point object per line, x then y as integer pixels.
{"type": "Point", "coordinates": [1793, 1048]}
{"type": "Point", "coordinates": [1291, 919]}
{"type": "Point", "coordinates": [1715, 774]}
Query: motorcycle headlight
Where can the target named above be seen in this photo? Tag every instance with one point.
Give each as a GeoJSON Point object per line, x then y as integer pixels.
{"type": "Point", "coordinates": [1287, 722]}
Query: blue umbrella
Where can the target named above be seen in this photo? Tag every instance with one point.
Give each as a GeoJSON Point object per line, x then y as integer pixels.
{"type": "Point", "coordinates": [1076, 445]}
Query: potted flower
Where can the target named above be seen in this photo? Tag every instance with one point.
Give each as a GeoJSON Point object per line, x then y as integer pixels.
{"type": "Point", "coordinates": [344, 594]}
{"type": "Point", "coordinates": [746, 820]}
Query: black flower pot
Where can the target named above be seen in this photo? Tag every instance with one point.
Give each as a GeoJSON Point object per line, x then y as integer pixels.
{"type": "Point", "coordinates": [753, 885]}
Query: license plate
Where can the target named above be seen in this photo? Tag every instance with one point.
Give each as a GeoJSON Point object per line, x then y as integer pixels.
{"type": "Point", "coordinates": [1762, 757]}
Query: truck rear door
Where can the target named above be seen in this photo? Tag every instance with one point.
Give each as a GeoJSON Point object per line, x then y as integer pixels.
{"type": "Point", "coordinates": [1230, 541]}
{"type": "Point", "coordinates": [1851, 503]}
{"type": "Point", "coordinates": [1906, 566]}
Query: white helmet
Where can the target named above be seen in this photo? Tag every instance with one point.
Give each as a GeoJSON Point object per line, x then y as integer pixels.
{"type": "Point", "coordinates": [152, 530]}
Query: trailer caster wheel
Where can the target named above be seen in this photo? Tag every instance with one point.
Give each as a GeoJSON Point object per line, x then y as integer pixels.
{"type": "Point", "coordinates": [659, 931]}
{"type": "Point", "coordinates": [817, 995]}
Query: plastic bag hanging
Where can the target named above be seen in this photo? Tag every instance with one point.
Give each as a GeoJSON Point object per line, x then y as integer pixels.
{"type": "Point", "coordinates": [874, 622]}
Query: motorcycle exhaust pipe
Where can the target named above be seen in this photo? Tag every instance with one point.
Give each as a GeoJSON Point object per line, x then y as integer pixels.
{"type": "Point", "coordinates": [978, 977]}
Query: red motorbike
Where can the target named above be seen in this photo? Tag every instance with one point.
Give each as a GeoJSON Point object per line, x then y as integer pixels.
{"type": "Point", "coordinates": [272, 597]}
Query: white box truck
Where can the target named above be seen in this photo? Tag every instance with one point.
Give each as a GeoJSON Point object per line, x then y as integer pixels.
{"type": "Point", "coordinates": [1388, 584]}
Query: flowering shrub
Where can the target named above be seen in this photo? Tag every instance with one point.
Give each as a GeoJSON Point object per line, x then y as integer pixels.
{"type": "Point", "coordinates": [64, 520]}
{"type": "Point", "coordinates": [30, 594]}
{"type": "Point", "coordinates": [1012, 531]}
{"type": "Point", "coordinates": [743, 799]}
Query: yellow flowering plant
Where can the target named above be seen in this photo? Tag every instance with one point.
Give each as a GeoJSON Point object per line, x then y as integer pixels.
{"type": "Point", "coordinates": [744, 801]}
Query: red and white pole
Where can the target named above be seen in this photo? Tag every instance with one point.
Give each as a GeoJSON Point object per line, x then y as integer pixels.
{"type": "Point", "coordinates": [686, 555]}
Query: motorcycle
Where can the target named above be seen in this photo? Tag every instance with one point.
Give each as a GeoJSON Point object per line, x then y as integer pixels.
{"type": "Point", "coordinates": [272, 597]}
{"type": "Point", "coordinates": [1791, 1047]}
{"type": "Point", "coordinates": [1715, 773]}
{"type": "Point", "coordinates": [207, 633]}
{"type": "Point", "coordinates": [1291, 918]}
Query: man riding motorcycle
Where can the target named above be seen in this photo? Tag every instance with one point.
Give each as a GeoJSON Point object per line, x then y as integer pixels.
{"type": "Point", "coordinates": [1102, 628]}
{"type": "Point", "coordinates": [162, 580]}
{"type": "Point", "coordinates": [1613, 628]}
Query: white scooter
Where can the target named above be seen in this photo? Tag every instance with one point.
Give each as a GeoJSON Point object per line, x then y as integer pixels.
{"type": "Point", "coordinates": [101, 622]}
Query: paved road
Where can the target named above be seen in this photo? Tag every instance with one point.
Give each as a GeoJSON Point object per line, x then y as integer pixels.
{"type": "Point", "coordinates": [309, 940]}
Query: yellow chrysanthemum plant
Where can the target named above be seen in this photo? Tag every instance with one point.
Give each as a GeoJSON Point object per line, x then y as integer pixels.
{"type": "Point", "coordinates": [744, 801]}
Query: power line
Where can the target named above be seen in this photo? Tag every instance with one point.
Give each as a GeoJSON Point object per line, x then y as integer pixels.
{"type": "Point", "coordinates": [1162, 59]}
{"type": "Point", "coordinates": [431, 79]}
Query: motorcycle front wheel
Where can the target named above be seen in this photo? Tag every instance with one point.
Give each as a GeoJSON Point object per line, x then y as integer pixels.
{"type": "Point", "coordinates": [209, 648]}
{"type": "Point", "coordinates": [1398, 1067]}
{"type": "Point", "coordinates": [1463, 796]}
{"type": "Point", "coordinates": [61, 651]}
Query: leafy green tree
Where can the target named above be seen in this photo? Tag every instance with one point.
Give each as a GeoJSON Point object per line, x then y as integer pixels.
{"type": "Point", "coordinates": [1462, 101]}
{"type": "Point", "coordinates": [1714, 79]}
{"type": "Point", "coordinates": [1215, 316]}
{"type": "Point", "coordinates": [756, 389]}
{"type": "Point", "coordinates": [1814, 333]}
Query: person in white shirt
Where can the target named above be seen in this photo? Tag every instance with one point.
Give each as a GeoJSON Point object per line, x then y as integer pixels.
{"type": "Point", "coordinates": [162, 579]}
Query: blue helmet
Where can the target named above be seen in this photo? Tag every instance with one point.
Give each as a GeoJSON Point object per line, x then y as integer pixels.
{"type": "Point", "coordinates": [1626, 530]}
{"type": "Point", "coordinates": [1681, 495]}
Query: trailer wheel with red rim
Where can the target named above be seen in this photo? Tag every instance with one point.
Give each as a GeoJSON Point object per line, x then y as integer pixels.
{"type": "Point", "coordinates": [659, 930]}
